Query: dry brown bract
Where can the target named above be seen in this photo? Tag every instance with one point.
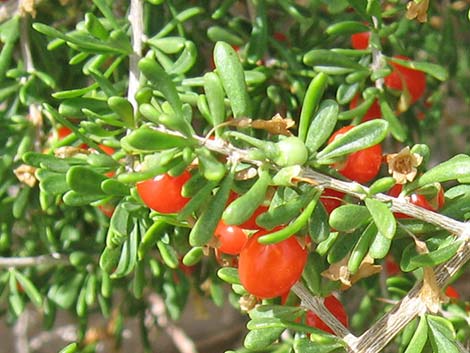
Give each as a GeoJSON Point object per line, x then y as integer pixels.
{"type": "Point", "coordinates": [277, 125]}
{"type": "Point", "coordinates": [418, 10]}
{"type": "Point", "coordinates": [25, 174]}
{"type": "Point", "coordinates": [339, 271]}
{"type": "Point", "coordinates": [402, 165]}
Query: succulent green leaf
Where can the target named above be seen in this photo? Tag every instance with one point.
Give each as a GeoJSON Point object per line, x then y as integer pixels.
{"type": "Point", "coordinates": [360, 137]}
{"type": "Point", "coordinates": [382, 216]}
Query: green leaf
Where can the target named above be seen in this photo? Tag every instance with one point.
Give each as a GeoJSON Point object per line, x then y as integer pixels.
{"type": "Point", "coordinates": [436, 257]}
{"type": "Point", "coordinates": [304, 345]}
{"type": "Point", "coordinates": [455, 168]}
{"type": "Point", "coordinates": [436, 71]}
{"type": "Point", "coordinates": [229, 275]}
{"type": "Point", "coordinates": [231, 73]}
{"type": "Point", "coordinates": [380, 246]}
{"type": "Point", "coordinates": [346, 27]}
{"type": "Point", "coordinates": [322, 125]}
{"type": "Point", "coordinates": [121, 223]}
{"type": "Point", "coordinates": [168, 254]}
{"type": "Point", "coordinates": [73, 198]}
{"type": "Point", "coordinates": [360, 250]}
{"type": "Point", "coordinates": [328, 58]}
{"type": "Point", "coordinates": [347, 218]}
{"type": "Point", "coordinates": [45, 160]}
{"type": "Point", "coordinates": [114, 187]}
{"type": "Point", "coordinates": [419, 338]}
{"type": "Point", "coordinates": [65, 292]}
{"type": "Point", "coordinates": [51, 182]}
{"type": "Point", "coordinates": [262, 338]}
{"type": "Point", "coordinates": [162, 81]}
{"type": "Point", "coordinates": [70, 348]}
{"type": "Point", "coordinates": [128, 256]}
{"type": "Point", "coordinates": [85, 180]}
{"type": "Point", "coordinates": [396, 126]}
{"type": "Point", "coordinates": [441, 335]}
{"type": "Point", "coordinates": [146, 139]}
{"type": "Point", "coordinates": [383, 217]}
{"type": "Point", "coordinates": [30, 289]}
{"type": "Point", "coordinates": [275, 311]}
{"type": "Point", "coordinates": [360, 137]}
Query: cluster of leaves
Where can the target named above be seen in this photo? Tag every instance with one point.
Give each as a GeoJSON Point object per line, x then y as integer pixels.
{"type": "Point", "coordinates": [228, 69]}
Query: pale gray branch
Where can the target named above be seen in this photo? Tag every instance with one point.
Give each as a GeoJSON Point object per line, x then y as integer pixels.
{"type": "Point", "coordinates": [316, 305]}
{"type": "Point", "coordinates": [384, 330]}
{"type": "Point", "coordinates": [179, 337]}
{"type": "Point", "coordinates": [41, 260]}
{"type": "Point", "coordinates": [136, 19]}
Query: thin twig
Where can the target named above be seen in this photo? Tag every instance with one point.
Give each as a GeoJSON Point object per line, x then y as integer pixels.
{"type": "Point", "coordinates": [41, 260]}
{"type": "Point", "coordinates": [384, 330]}
{"type": "Point", "coordinates": [316, 305]}
{"type": "Point", "coordinates": [136, 19]}
{"type": "Point", "coordinates": [20, 331]}
{"type": "Point", "coordinates": [378, 61]}
{"type": "Point", "coordinates": [180, 339]}
{"type": "Point", "coordinates": [34, 115]}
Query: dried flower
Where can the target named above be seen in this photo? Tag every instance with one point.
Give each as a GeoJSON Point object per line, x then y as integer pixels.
{"type": "Point", "coordinates": [25, 174]}
{"type": "Point", "coordinates": [70, 151]}
{"type": "Point", "coordinates": [339, 271]}
{"type": "Point", "coordinates": [418, 10]}
{"type": "Point", "coordinates": [402, 165]}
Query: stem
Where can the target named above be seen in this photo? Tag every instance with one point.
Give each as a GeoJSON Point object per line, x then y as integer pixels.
{"type": "Point", "coordinates": [136, 19]}
{"type": "Point", "coordinates": [31, 261]}
{"type": "Point", "coordinates": [34, 115]}
{"type": "Point", "coordinates": [316, 305]}
{"type": "Point", "coordinates": [377, 57]}
{"type": "Point", "coordinates": [181, 340]}
{"type": "Point", "coordinates": [384, 330]}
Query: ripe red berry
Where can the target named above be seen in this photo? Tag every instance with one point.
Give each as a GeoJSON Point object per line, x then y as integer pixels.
{"type": "Point", "coordinates": [451, 292]}
{"type": "Point", "coordinates": [63, 132]}
{"type": "Point", "coordinates": [107, 209]}
{"type": "Point", "coordinates": [163, 193]}
{"type": "Point", "coordinates": [230, 238]}
{"type": "Point", "coordinates": [268, 271]}
{"type": "Point", "coordinates": [373, 112]}
{"type": "Point", "coordinates": [335, 307]}
{"type": "Point", "coordinates": [405, 78]}
{"type": "Point", "coordinates": [106, 149]}
{"type": "Point", "coordinates": [361, 166]}
{"type": "Point", "coordinates": [360, 40]}
{"type": "Point", "coordinates": [331, 199]}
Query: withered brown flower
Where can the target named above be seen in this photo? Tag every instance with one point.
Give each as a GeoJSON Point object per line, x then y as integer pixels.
{"type": "Point", "coordinates": [418, 10]}
{"type": "Point", "coordinates": [25, 174]}
{"type": "Point", "coordinates": [403, 165]}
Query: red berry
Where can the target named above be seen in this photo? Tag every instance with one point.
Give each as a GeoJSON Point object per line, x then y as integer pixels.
{"type": "Point", "coordinates": [373, 112]}
{"type": "Point", "coordinates": [107, 209]}
{"type": "Point", "coordinates": [402, 77]}
{"type": "Point", "coordinates": [360, 40]}
{"type": "Point", "coordinates": [231, 238]}
{"type": "Point", "coordinates": [163, 193]}
{"type": "Point", "coordinates": [280, 37]}
{"type": "Point", "coordinates": [361, 166]}
{"type": "Point", "coordinates": [451, 292]}
{"type": "Point", "coordinates": [331, 199]}
{"type": "Point", "coordinates": [63, 132]}
{"type": "Point", "coordinates": [335, 307]}
{"type": "Point", "coordinates": [268, 271]}
{"type": "Point", "coordinates": [106, 149]}
{"type": "Point", "coordinates": [391, 266]}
